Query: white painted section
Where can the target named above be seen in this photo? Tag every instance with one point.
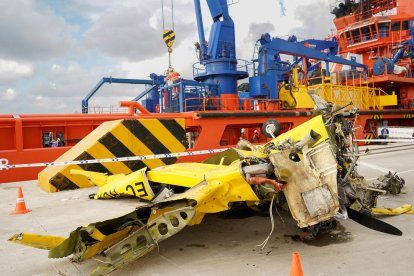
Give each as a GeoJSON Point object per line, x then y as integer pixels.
{"type": "Point", "coordinates": [397, 132]}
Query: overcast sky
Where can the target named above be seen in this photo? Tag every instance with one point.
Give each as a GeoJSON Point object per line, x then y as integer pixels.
{"type": "Point", "coordinates": [53, 52]}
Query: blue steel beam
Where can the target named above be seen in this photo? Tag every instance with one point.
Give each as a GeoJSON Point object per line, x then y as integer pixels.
{"type": "Point", "coordinates": [85, 101]}
{"type": "Point", "coordinates": [296, 49]}
{"type": "Point", "coordinates": [200, 28]}
{"type": "Point", "coordinates": [145, 92]}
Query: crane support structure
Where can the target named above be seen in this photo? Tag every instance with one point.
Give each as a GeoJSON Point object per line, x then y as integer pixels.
{"type": "Point", "coordinates": [153, 82]}
{"type": "Point", "coordinates": [272, 70]}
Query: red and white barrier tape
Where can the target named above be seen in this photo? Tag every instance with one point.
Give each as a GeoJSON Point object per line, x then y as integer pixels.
{"type": "Point", "coordinates": [4, 163]}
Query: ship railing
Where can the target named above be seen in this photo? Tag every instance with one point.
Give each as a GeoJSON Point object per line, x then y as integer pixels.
{"type": "Point", "coordinates": [227, 64]}
{"type": "Point", "coordinates": [358, 93]}
{"type": "Point", "coordinates": [215, 103]}
{"type": "Point", "coordinates": [349, 77]}
{"type": "Point", "coordinates": [113, 109]}
{"type": "Point", "coordinates": [363, 38]}
{"type": "Point", "coordinates": [173, 96]}
{"type": "Point", "coordinates": [378, 8]}
{"type": "Point", "coordinates": [360, 10]}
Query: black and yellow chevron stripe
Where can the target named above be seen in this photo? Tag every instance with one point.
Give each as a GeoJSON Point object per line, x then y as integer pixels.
{"type": "Point", "coordinates": [369, 136]}
{"type": "Point", "coordinates": [120, 138]}
{"type": "Point", "coordinates": [169, 37]}
{"type": "Point", "coordinates": [408, 116]}
{"type": "Point", "coordinates": [376, 117]}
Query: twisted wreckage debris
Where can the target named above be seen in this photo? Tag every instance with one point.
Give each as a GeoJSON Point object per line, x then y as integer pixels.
{"type": "Point", "coordinates": [312, 168]}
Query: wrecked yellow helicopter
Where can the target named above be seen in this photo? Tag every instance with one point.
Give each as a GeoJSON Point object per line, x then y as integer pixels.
{"type": "Point", "coordinates": [311, 168]}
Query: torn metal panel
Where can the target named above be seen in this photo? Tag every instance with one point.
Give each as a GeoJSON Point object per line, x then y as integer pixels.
{"type": "Point", "coordinates": [97, 178]}
{"type": "Point", "coordinates": [298, 133]}
{"type": "Point", "coordinates": [88, 241]}
{"type": "Point", "coordinates": [390, 183]}
{"type": "Point", "coordinates": [134, 246]}
{"type": "Point", "coordinates": [318, 201]}
{"type": "Point", "coordinates": [220, 188]}
{"type": "Point", "coordinates": [134, 184]}
{"type": "Point", "coordinates": [311, 192]}
{"type": "Point", "coordinates": [146, 238]}
{"type": "Point", "coordinates": [37, 241]}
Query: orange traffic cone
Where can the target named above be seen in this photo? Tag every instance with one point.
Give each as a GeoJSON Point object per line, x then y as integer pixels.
{"type": "Point", "coordinates": [20, 205]}
{"type": "Point", "coordinates": [296, 267]}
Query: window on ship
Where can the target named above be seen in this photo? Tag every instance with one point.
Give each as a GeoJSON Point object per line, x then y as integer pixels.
{"type": "Point", "coordinates": [384, 29]}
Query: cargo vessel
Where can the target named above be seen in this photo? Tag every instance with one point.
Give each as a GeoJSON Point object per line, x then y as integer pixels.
{"type": "Point", "coordinates": [366, 65]}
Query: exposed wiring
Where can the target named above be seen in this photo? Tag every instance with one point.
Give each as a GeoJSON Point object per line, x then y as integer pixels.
{"type": "Point", "coordinates": [263, 244]}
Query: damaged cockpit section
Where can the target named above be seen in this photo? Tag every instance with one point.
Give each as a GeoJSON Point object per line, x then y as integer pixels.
{"type": "Point", "coordinates": [312, 168]}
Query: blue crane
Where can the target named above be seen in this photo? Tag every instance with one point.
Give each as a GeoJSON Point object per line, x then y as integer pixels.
{"type": "Point", "coordinates": [151, 90]}
{"type": "Point", "coordinates": [271, 69]}
{"type": "Point", "coordinates": [218, 54]}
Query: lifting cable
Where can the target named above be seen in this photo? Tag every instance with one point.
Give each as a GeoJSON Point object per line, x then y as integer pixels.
{"type": "Point", "coordinates": [168, 34]}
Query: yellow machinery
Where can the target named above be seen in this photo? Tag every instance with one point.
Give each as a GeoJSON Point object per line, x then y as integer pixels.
{"type": "Point", "coordinates": [332, 89]}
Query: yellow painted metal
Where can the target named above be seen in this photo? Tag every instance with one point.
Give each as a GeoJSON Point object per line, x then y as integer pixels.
{"type": "Point", "coordinates": [403, 209]}
{"type": "Point", "coordinates": [46, 175]}
{"type": "Point", "coordinates": [299, 98]}
{"type": "Point", "coordinates": [161, 133]}
{"type": "Point", "coordinates": [303, 100]}
{"type": "Point", "coordinates": [134, 184]}
{"type": "Point", "coordinates": [96, 178]}
{"type": "Point", "coordinates": [158, 212]}
{"type": "Point", "coordinates": [298, 133]}
{"type": "Point", "coordinates": [97, 235]}
{"type": "Point", "coordinates": [362, 97]}
{"type": "Point", "coordinates": [37, 241]}
{"type": "Point", "coordinates": [183, 174]}
{"type": "Point", "coordinates": [169, 37]}
{"type": "Point", "coordinates": [221, 187]}
{"type": "Point", "coordinates": [248, 153]}
{"type": "Point", "coordinates": [387, 100]}
{"type": "Point", "coordinates": [108, 241]}
{"type": "Point", "coordinates": [117, 138]}
{"type": "Point", "coordinates": [138, 147]}
{"type": "Point", "coordinates": [97, 150]}
{"type": "Point", "coordinates": [355, 90]}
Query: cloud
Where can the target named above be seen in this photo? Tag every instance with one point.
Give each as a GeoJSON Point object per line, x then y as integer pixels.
{"type": "Point", "coordinates": [68, 84]}
{"type": "Point", "coordinates": [316, 20]}
{"type": "Point", "coordinates": [31, 31]}
{"type": "Point", "coordinates": [8, 95]}
{"type": "Point", "coordinates": [256, 30]}
{"type": "Point", "coordinates": [54, 52]}
{"type": "Point", "coordinates": [133, 33]}
{"type": "Point", "coordinates": [11, 71]}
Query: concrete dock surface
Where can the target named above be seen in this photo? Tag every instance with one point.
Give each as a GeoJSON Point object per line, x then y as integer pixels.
{"type": "Point", "coordinates": [219, 245]}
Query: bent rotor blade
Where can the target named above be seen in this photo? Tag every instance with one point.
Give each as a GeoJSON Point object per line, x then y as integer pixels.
{"type": "Point", "coordinates": [373, 223]}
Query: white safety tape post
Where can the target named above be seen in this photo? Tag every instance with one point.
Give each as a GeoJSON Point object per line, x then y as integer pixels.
{"type": "Point", "coordinates": [386, 140]}
{"type": "Point", "coordinates": [4, 163]}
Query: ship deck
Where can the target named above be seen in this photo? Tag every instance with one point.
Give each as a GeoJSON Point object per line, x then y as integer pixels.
{"type": "Point", "coordinates": [218, 245]}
